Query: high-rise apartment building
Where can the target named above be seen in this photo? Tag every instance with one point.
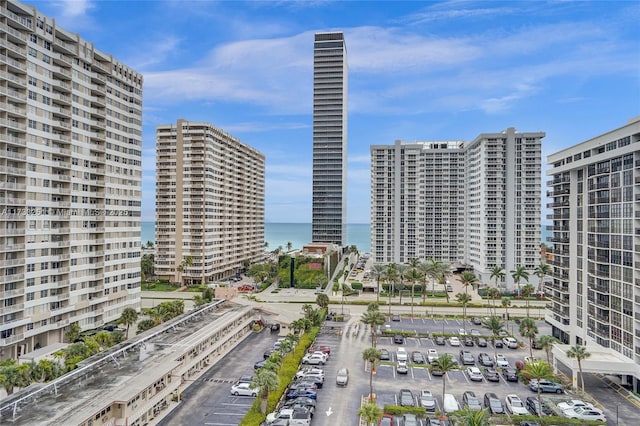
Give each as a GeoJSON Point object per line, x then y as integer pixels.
{"type": "Point", "coordinates": [70, 182]}
{"type": "Point", "coordinates": [595, 199]}
{"type": "Point", "coordinates": [474, 204]}
{"type": "Point", "coordinates": [330, 72]}
{"type": "Point", "coordinates": [209, 203]}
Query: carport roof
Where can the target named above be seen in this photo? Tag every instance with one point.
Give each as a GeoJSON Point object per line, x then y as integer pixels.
{"type": "Point", "coordinates": [602, 360]}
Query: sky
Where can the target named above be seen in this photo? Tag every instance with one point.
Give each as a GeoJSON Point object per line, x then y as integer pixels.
{"type": "Point", "coordinates": [417, 71]}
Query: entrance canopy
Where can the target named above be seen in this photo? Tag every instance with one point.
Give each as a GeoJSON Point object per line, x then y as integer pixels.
{"type": "Point", "coordinates": [602, 360]}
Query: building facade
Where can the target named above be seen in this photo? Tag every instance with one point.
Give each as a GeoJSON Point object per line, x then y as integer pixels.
{"type": "Point", "coordinates": [209, 203]}
{"type": "Point", "coordinates": [70, 182]}
{"type": "Point", "coordinates": [595, 199]}
{"type": "Point", "coordinates": [329, 203]}
{"type": "Point", "coordinates": [474, 204]}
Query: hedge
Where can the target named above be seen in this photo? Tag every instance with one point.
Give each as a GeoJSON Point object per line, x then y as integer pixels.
{"type": "Point", "coordinates": [398, 410]}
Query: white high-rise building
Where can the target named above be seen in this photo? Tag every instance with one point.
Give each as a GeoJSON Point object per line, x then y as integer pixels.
{"type": "Point", "coordinates": [474, 204]}
{"type": "Point", "coordinates": [70, 182]}
{"type": "Point", "coordinates": [595, 289]}
{"type": "Point", "coordinates": [330, 76]}
{"type": "Point", "coordinates": [209, 203]}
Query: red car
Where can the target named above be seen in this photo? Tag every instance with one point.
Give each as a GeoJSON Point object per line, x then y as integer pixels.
{"type": "Point", "coordinates": [386, 420]}
{"type": "Point", "coordinates": [245, 288]}
{"type": "Point", "coordinates": [323, 349]}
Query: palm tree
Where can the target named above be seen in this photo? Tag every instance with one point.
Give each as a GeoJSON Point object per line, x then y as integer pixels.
{"type": "Point", "coordinates": [267, 381]}
{"type": "Point", "coordinates": [527, 292]}
{"type": "Point", "coordinates": [541, 272]}
{"type": "Point", "coordinates": [494, 324]}
{"type": "Point", "coordinates": [520, 273]}
{"type": "Point", "coordinates": [493, 294]}
{"type": "Point", "coordinates": [468, 278]}
{"type": "Point", "coordinates": [414, 276]}
{"type": "Point", "coordinates": [444, 271]}
{"type": "Point", "coordinates": [529, 330]}
{"type": "Point", "coordinates": [378, 272]}
{"type": "Point", "coordinates": [322, 300]}
{"type": "Point", "coordinates": [506, 302]}
{"type": "Point", "coordinates": [579, 353]}
{"type": "Point", "coordinates": [473, 417]}
{"type": "Point", "coordinates": [498, 274]}
{"type": "Point", "coordinates": [546, 342]}
{"type": "Point", "coordinates": [426, 269]}
{"type": "Point", "coordinates": [402, 274]}
{"type": "Point", "coordinates": [371, 413]}
{"type": "Point", "coordinates": [129, 316]}
{"type": "Point", "coordinates": [537, 370]}
{"type": "Point", "coordinates": [373, 318]}
{"type": "Point", "coordinates": [443, 363]}
{"type": "Point", "coordinates": [464, 299]}
{"type": "Point", "coordinates": [371, 355]}
{"type": "Point", "coordinates": [289, 246]}
{"type": "Point", "coordinates": [390, 276]}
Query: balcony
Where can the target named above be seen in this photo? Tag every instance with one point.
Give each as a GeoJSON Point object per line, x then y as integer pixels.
{"type": "Point", "coordinates": [11, 309]}
{"type": "Point", "coordinates": [11, 340]}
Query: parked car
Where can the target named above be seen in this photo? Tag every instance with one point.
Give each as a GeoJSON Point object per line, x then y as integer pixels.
{"type": "Point", "coordinates": [501, 361]}
{"type": "Point", "coordinates": [481, 342]}
{"type": "Point", "coordinates": [474, 374]}
{"type": "Point", "coordinates": [515, 405]}
{"type": "Point", "coordinates": [427, 401]}
{"type": "Point", "coordinates": [409, 419]}
{"type": "Point", "coordinates": [297, 393]}
{"type": "Point", "coordinates": [476, 321]}
{"type": "Point", "coordinates": [475, 333]}
{"type": "Point", "coordinates": [462, 332]}
{"type": "Point", "coordinates": [303, 384]}
{"type": "Point", "coordinates": [342, 378]}
{"type": "Point", "coordinates": [497, 343]}
{"type": "Point", "coordinates": [300, 417]}
{"type": "Point", "coordinates": [529, 423]}
{"type": "Point", "coordinates": [450, 403]}
{"type": "Point", "coordinates": [491, 375]}
{"type": "Point", "coordinates": [545, 386]}
{"type": "Point", "coordinates": [402, 355]}
{"type": "Point", "coordinates": [386, 420]}
{"type": "Point", "coordinates": [324, 349]}
{"type": "Point", "coordinates": [583, 413]}
{"type": "Point", "coordinates": [470, 400]}
{"type": "Point", "coordinates": [466, 358]}
{"type": "Point", "coordinates": [440, 341]}
{"type": "Point", "coordinates": [437, 372]}
{"type": "Point", "coordinates": [245, 378]}
{"type": "Point", "coordinates": [535, 344]}
{"type": "Point", "coordinates": [283, 415]}
{"type": "Point", "coordinates": [304, 371]}
{"type": "Point", "coordinates": [510, 374]}
{"type": "Point", "coordinates": [244, 389]}
{"type": "Point", "coordinates": [308, 403]}
{"type": "Point", "coordinates": [405, 398]}
{"type": "Point", "coordinates": [468, 341]}
{"type": "Point", "coordinates": [401, 367]}
{"type": "Point", "coordinates": [574, 403]}
{"type": "Point", "coordinates": [534, 407]}
{"type": "Point", "coordinates": [485, 360]}
{"type": "Point", "coordinates": [314, 359]}
{"type": "Point", "coordinates": [275, 327]}
{"type": "Point", "coordinates": [454, 341]}
{"type": "Point", "coordinates": [493, 403]}
{"type": "Point", "coordinates": [384, 355]}
{"type": "Point", "coordinates": [417, 357]}
{"type": "Point", "coordinates": [316, 379]}
{"type": "Point", "coordinates": [266, 354]}
{"type": "Point", "coordinates": [510, 342]}
{"type": "Point", "coordinates": [432, 355]}
{"type": "Point", "coordinates": [259, 364]}
{"type": "Point", "coordinates": [395, 317]}
{"type": "Point", "coordinates": [398, 338]}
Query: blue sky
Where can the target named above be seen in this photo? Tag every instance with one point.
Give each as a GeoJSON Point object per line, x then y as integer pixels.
{"type": "Point", "coordinates": [417, 71]}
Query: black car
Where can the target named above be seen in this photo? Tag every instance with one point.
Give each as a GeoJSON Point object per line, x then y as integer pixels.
{"type": "Point", "coordinates": [468, 341]}
{"type": "Point", "coordinates": [476, 321]}
{"type": "Point", "coordinates": [535, 344]}
{"type": "Point", "coordinates": [497, 343]}
{"type": "Point", "coordinates": [384, 355]}
{"type": "Point", "coordinates": [533, 406]}
{"type": "Point", "coordinates": [313, 378]}
{"type": "Point", "coordinates": [491, 375]}
{"type": "Point", "coordinates": [417, 357]}
{"type": "Point", "coordinates": [268, 353]}
{"type": "Point", "coordinates": [493, 403]}
{"type": "Point", "coordinates": [510, 374]}
{"type": "Point", "coordinates": [398, 338]}
{"type": "Point", "coordinates": [485, 360]}
{"type": "Point", "coordinates": [481, 342]}
{"type": "Point", "coordinates": [529, 423]}
{"type": "Point", "coordinates": [440, 341]}
{"type": "Point", "coordinates": [259, 364]}
{"type": "Point", "coordinates": [274, 327]}
{"type": "Point", "coordinates": [395, 317]}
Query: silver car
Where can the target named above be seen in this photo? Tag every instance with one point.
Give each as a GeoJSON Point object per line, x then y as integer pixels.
{"type": "Point", "coordinates": [343, 377]}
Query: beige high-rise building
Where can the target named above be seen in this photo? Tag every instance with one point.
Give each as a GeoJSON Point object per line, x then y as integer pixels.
{"type": "Point", "coordinates": [209, 203]}
{"type": "Point", "coordinates": [70, 182]}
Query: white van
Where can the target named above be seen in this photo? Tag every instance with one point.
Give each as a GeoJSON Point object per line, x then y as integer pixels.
{"type": "Point", "coordinates": [402, 355]}
{"type": "Point", "coordinates": [450, 403]}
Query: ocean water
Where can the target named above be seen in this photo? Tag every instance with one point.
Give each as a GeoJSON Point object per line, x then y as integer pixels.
{"type": "Point", "coordinates": [278, 234]}
{"type": "Point", "coordinates": [298, 234]}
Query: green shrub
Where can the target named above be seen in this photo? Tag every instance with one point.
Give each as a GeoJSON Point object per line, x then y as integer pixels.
{"type": "Point", "coordinates": [397, 410]}
{"type": "Point", "coordinates": [356, 285]}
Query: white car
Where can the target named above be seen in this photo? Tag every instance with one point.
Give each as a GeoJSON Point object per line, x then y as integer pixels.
{"type": "Point", "coordinates": [462, 332]}
{"type": "Point", "coordinates": [454, 341]}
{"type": "Point", "coordinates": [501, 361]}
{"type": "Point", "coordinates": [510, 342]}
{"type": "Point", "coordinates": [309, 371]}
{"type": "Point", "coordinates": [574, 403]}
{"type": "Point", "coordinates": [515, 405]}
{"type": "Point", "coordinates": [427, 401]}
{"type": "Point", "coordinates": [244, 389]}
{"type": "Point", "coordinates": [474, 374]}
{"type": "Point", "coordinates": [314, 359]}
{"type": "Point", "coordinates": [284, 413]}
{"type": "Point", "coordinates": [585, 414]}
{"type": "Point", "coordinates": [432, 355]}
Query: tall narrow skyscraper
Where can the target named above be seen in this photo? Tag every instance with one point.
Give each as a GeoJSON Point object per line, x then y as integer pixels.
{"type": "Point", "coordinates": [329, 138]}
